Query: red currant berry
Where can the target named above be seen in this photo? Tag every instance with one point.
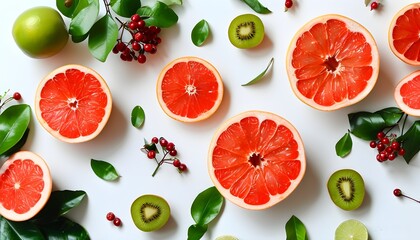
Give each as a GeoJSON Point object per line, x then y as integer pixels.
{"type": "Point", "coordinates": [135, 18]}
{"type": "Point", "coordinates": [395, 146]}
{"type": "Point", "coordinates": [182, 167]}
{"type": "Point", "coordinates": [374, 5]}
{"type": "Point", "coordinates": [176, 163]}
{"type": "Point", "coordinates": [288, 3]}
{"type": "Point", "coordinates": [141, 58]}
{"type": "Point", "coordinates": [148, 47]}
{"type": "Point", "coordinates": [380, 135]}
{"type": "Point", "coordinates": [385, 140]}
{"type": "Point", "coordinates": [133, 25]}
{"type": "Point", "coordinates": [138, 36]}
{"type": "Point", "coordinates": [170, 146]}
{"type": "Point", "coordinates": [155, 140]}
{"type": "Point", "coordinates": [383, 155]}
{"type": "Point", "coordinates": [378, 157]}
{"type": "Point", "coordinates": [141, 24]}
{"type": "Point", "coordinates": [380, 146]}
{"type": "Point", "coordinates": [151, 154]}
{"type": "Point", "coordinates": [389, 150]}
{"type": "Point", "coordinates": [115, 50]}
{"type": "Point", "coordinates": [110, 216]}
{"type": "Point", "coordinates": [121, 46]}
{"type": "Point", "coordinates": [154, 49]}
{"type": "Point", "coordinates": [391, 156]}
{"type": "Point", "coordinates": [17, 96]}
{"type": "Point", "coordinates": [372, 144]}
{"type": "Point", "coordinates": [154, 29]}
{"type": "Point", "coordinates": [163, 142]}
{"type": "Point", "coordinates": [117, 222]}
{"type": "Point", "coordinates": [397, 192]}
{"type": "Point", "coordinates": [401, 151]}
{"type": "Point", "coordinates": [173, 152]}
{"type": "Point", "coordinates": [136, 46]}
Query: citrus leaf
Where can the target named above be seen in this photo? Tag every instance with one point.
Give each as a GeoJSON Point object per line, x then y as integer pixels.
{"type": "Point", "coordinates": [104, 170]}
{"type": "Point", "coordinates": [84, 17]}
{"type": "Point", "coordinates": [200, 33]}
{"type": "Point", "coordinates": [125, 8]}
{"type": "Point", "coordinates": [137, 116]}
{"type": "Point", "coordinates": [391, 115]}
{"type": "Point", "coordinates": [150, 146]}
{"type": "Point", "coordinates": [160, 15]}
{"type": "Point", "coordinates": [13, 123]}
{"type": "Point", "coordinates": [102, 37]}
{"type": "Point", "coordinates": [78, 39]}
{"type": "Point", "coordinates": [67, 7]}
{"type": "Point", "coordinates": [261, 75]}
{"type": "Point", "coordinates": [18, 145]}
{"type": "Point", "coordinates": [171, 2]}
{"type": "Point", "coordinates": [344, 145]}
{"type": "Point", "coordinates": [257, 6]}
{"type": "Point", "coordinates": [64, 228]}
{"type": "Point", "coordinates": [410, 141]}
{"type": "Point", "coordinates": [295, 229]}
{"type": "Point", "coordinates": [10, 230]}
{"type": "Point", "coordinates": [206, 206]}
{"type": "Point", "coordinates": [196, 231]}
{"type": "Point", "coordinates": [366, 125]}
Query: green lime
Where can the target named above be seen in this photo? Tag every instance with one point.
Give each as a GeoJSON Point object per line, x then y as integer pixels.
{"type": "Point", "coordinates": [227, 237]}
{"type": "Point", "coordinates": [40, 32]}
{"type": "Point", "coordinates": [351, 230]}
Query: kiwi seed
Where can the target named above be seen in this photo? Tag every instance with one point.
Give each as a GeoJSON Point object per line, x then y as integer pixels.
{"type": "Point", "coordinates": [150, 212]}
{"type": "Point", "coordinates": [347, 189]}
{"type": "Point", "coordinates": [246, 31]}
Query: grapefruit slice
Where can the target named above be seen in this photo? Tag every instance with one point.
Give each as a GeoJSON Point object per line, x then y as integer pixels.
{"type": "Point", "coordinates": [332, 62]}
{"type": "Point", "coordinates": [403, 34]}
{"type": "Point", "coordinates": [256, 159]}
{"type": "Point", "coordinates": [407, 94]}
{"type": "Point", "coordinates": [189, 89]}
{"type": "Point", "coordinates": [25, 186]}
{"type": "Point", "coordinates": [73, 103]}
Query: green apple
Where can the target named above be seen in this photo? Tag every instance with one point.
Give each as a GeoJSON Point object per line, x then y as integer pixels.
{"type": "Point", "coordinates": [40, 32]}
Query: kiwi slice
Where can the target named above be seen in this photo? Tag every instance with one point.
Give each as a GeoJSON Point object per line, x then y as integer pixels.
{"type": "Point", "coordinates": [347, 189]}
{"type": "Point", "coordinates": [150, 212]}
{"type": "Point", "coordinates": [246, 31]}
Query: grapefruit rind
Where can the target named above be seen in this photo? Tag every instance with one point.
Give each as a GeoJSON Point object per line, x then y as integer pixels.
{"type": "Point", "coordinates": [352, 26]}
{"type": "Point", "coordinates": [56, 133]}
{"type": "Point", "coordinates": [412, 84]}
{"type": "Point", "coordinates": [414, 35]}
{"type": "Point", "coordinates": [45, 193]}
{"type": "Point", "coordinates": [203, 115]}
{"type": "Point", "coordinates": [274, 199]}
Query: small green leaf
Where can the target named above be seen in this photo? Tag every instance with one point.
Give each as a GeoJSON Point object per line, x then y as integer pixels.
{"type": "Point", "coordinates": [104, 170]}
{"type": "Point", "coordinates": [10, 230]}
{"type": "Point", "coordinates": [366, 125]}
{"type": "Point", "coordinates": [85, 16]}
{"type": "Point", "coordinates": [367, 2]}
{"type": "Point", "coordinates": [257, 6]}
{"type": "Point", "coordinates": [261, 75]}
{"type": "Point", "coordinates": [344, 145]}
{"type": "Point", "coordinates": [64, 228]}
{"type": "Point", "coordinates": [200, 33]}
{"type": "Point", "coordinates": [206, 206]}
{"type": "Point", "coordinates": [137, 116]}
{"type": "Point", "coordinates": [13, 123]}
{"type": "Point", "coordinates": [196, 231]}
{"type": "Point", "coordinates": [411, 141]}
{"type": "Point", "coordinates": [160, 15]}
{"type": "Point", "coordinates": [67, 10]}
{"type": "Point", "coordinates": [391, 115]}
{"type": "Point", "coordinates": [125, 8]}
{"type": "Point", "coordinates": [17, 146]}
{"type": "Point", "coordinates": [295, 229]}
{"type": "Point", "coordinates": [102, 37]}
{"type": "Point", "coordinates": [171, 2]}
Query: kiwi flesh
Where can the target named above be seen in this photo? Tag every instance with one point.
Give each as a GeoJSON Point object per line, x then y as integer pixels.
{"type": "Point", "coordinates": [246, 31]}
{"type": "Point", "coordinates": [346, 189]}
{"type": "Point", "coordinates": [150, 212]}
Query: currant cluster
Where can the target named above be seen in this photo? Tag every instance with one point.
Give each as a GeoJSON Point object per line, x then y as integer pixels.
{"type": "Point", "coordinates": [388, 147]}
{"type": "Point", "coordinates": [169, 154]}
{"type": "Point", "coordinates": [144, 39]}
{"type": "Point", "coordinates": [115, 220]}
{"type": "Point", "coordinates": [288, 4]}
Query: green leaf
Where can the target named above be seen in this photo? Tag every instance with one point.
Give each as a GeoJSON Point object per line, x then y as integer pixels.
{"type": "Point", "coordinates": [125, 8]}
{"type": "Point", "coordinates": [13, 123]}
{"type": "Point", "coordinates": [10, 230]}
{"type": "Point", "coordinates": [102, 37]}
{"type": "Point", "coordinates": [64, 228]}
{"type": "Point", "coordinates": [257, 6]}
{"type": "Point", "coordinates": [344, 145]}
{"type": "Point", "coordinates": [391, 115]}
{"type": "Point", "coordinates": [78, 39]}
{"type": "Point", "coordinates": [295, 229]}
{"type": "Point", "coordinates": [104, 170]}
{"type": "Point", "coordinates": [17, 146]}
{"type": "Point", "coordinates": [411, 141]}
{"type": "Point", "coordinates": [200, 33]}
{"type": "Point", "coordinates": [171, 2]}
{"type": "Point", "coordinates": [206, 206]}
{"type": "Point", "coordinates": [196, 231]}
{"type": "Point", "coordinates": [367, 2]}
{"type": "Point", "coordinates": [261, 75]}
{"type": "Point", "coordinates": [366, 125]}
{"type": "Point", "coordinates": [67, 7]}
{"type": "Point", "coordinates": [160, 15]}
{"type": "Point", "coordinates": [150, 146]}
{"type": "Point", "coordinates": [137, 116]}
{"type": "Point", "coordinates": [85, 16]}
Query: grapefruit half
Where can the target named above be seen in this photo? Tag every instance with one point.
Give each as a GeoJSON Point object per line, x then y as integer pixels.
{"type": "Point", "coordinates": [189, 89]}
{"type": "Point", "coordinates": [407, 94]}
{"type": "Point", "coordinates": [73, 103]}
{"type": "Point", "coordinates": [332, 62]}
{"type": "Point", "coordinates": [25, 186]}
{"type": "Point", "coordinates": [403, 34]}
{"type": "Point", "coordinates": [256, 159]}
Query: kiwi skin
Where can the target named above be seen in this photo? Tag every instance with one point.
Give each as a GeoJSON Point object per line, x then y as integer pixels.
{"type": "Point", "coordinates": [346, 189]}
{"type": "Point", "coordinates": [150, 212]}
{"type": "Point", "coordinates": [246, 31]}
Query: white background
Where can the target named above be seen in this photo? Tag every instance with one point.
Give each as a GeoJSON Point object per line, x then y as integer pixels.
{"type": "Point", "coordinates": [131, 84]}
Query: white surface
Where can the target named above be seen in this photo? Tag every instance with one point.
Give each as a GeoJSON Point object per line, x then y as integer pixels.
{"type": "Point", "coordinates": [385, 216]}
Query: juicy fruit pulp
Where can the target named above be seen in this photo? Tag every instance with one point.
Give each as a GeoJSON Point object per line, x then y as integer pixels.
{"type": "Point", "coordinates": [40, 32]}
{"type": "Point", "coordinates": [351, 230]}
{"type": "Point", "coordinates": [25, 186]}
{"type": "Point", "coordinates": [332, 62]}
{"type": "Point", "coordinates": [403, 36]}
{"type": "Point", "coordinates": [246, 31]}
{"type": "Point", "coordinates": [73, 103]}
{"type": "Point", "coordinates": [150, 212]}
{"type": "Point", "coordinates": [346, 189]}
{"type": "Point", "coordinates": [189, 89]}
{"type": "Point", "coordinates": [256, 159]}
{"type": "Point", "coordinates": [407, 94]}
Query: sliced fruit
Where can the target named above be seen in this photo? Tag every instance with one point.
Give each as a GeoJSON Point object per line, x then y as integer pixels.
{"type": "Point", "coordinates": [332, 62]}
{"type": "Point", "coordinates": [346, 189]}
{"type": "Point", "coordinates": [403, 34]}
{"type": "Point", "coordinates": [150, 212]}
{"type": "Point", "coordinates": [351, 230]}
{"type": "Point", "coordinates": [189, 89]}
{"type": "Point", "coordinates": [256, 159]}
{"type": "Point", "coordinates": [407, 94]}
{"type": "Point", "coordinates": [246, 31]}
{"type": "Point", "coordinates": [73, 103]}
{"type": "Point", "coordinates": [227, 237]}
{"type": "Point", "coordinates": [25, 186]}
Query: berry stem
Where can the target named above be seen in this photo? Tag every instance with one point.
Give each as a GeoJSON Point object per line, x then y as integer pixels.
{"type": "Point", "coordinates": [157, 168]}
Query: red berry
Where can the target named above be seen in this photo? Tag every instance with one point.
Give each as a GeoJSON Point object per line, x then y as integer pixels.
{"type": "Point", "coordinates": [385, 140]}
{"type": "Point", "coordinates": [383, 155]}
{"type": "Point", "coordinates": [374, 5]}
{"type": "Point", "coordinates": [148, 47]}
{"type": "Point", "coordinates": [141, 58]}
{"type": "Point", "coordinates": [397, 192]}
{"type": "Point", "coordinates": [135, 18]}
{"type": "Point", "coordinates": [163, 142]}
{"type": "Point", "coordinates": [170, 146]}
{"type": "Point", "coordinates": [17, 96]}
{"type": "Point", "coordinates": [372, 144]}
{"type": "Point", "coordinates": [151, 154]}
{"type": "Point", "coordinates": [389, 149]}
{"type": "Point", "coordinates": [141, 24]}
{"type": "Point", "coordinates": [136, 46]}
{"type": "Point", "coordinates": [395, 146]}
{"type": "Point", "coordinates": [182, 167]}
{"type": "Point", "coordinates": [121, 46]}
{"type": "Point", "coordinates": [380, 146]}
{"type": "Point", "coordinates": [173, 152]}
{"type": "Point", "coordinates": [288, 3]}
{"type": "Point", "coordinates": [154, 29]}
{"type": "Point", "coordinates": [155, 140]}
{"type": "Point", "coordinates": [117, 222]}
{"type": "Point", "coordinates": [133, 25]}
{"type": "Point", "coordinates": [401, 151]}
{"type": "Point", "coordinates": [391, 156]}
{"type": "Point", "coordinates": [176, 163]}
{"type": "Point", "coordinates": [110, 216]}
{"type": "Point", "coordinates": [138, 37]}
{"type": "Point", "coordinates": [380, 135]}
{"type": "Point", "coordinates": [154, 49]}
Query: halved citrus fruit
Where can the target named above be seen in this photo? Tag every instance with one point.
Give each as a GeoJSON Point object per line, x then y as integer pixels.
{"type": "Point", "coordinates": [332, 62]}
{"type": "Point", "coordinates": [189, 89]}
{"type": "Point", "coordinates": [73, 103]}
{"type": "Point", "coordinates": [403, 34]}
{"type": "Point", "coordinates": [25, 186]}
{"type": "Point", "coordinates": [256, 159]}
{"type": "Point", "coordinates": [407, 94]}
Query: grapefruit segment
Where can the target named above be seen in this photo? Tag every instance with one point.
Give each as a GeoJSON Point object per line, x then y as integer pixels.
{"type": "Point", "coordinates": [407, 94]}
{"type": "Point", "coordinates": [256, 159]}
